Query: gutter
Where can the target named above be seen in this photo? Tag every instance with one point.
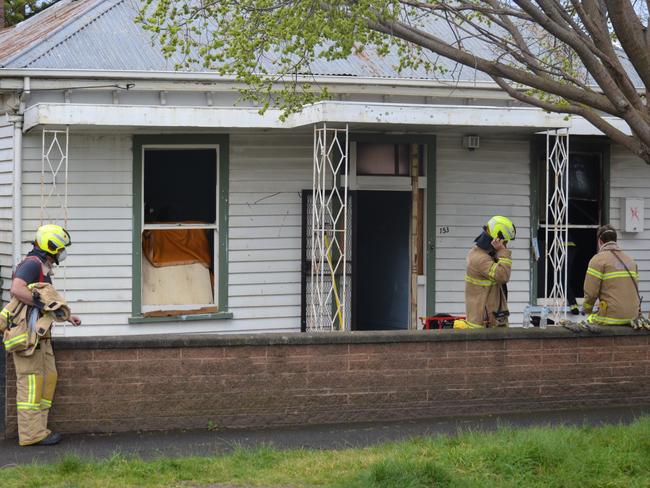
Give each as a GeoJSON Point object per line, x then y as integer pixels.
{"type": "Point", "coordinates": [214, 77]}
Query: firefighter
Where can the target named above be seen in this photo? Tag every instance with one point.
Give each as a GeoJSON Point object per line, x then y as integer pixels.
{"type": "Point", "coordinates": [612, 278]}
{"type": "Point", "coordinates": [36, 374]}
{"type": "Point", "coordinates": [489, 265]}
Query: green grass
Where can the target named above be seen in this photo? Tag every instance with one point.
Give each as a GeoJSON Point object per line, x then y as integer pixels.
{"type": "Point", "coordinates": [611, 456]}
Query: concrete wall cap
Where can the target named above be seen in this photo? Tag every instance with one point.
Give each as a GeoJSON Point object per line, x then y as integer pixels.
{"type": "Point", "coordinates": [301, 338]}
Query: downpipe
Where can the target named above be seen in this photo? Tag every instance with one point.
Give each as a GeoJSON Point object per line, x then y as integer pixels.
{"type": "Point", "coordinates": [18, 172]}
{"type": "Point", "coordinates": [18, 183]}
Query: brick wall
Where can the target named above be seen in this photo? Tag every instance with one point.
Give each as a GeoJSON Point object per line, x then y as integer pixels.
{"type": "Point", "coordinates": [271, 380]}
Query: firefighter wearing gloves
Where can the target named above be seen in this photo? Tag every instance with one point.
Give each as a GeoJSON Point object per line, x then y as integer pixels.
{"type": "Point", "coordinates": [612, 280]}
{"type": "Point", "coordinates": [36, 374]}
{"type": "Point", "coordinates": [489, 265]}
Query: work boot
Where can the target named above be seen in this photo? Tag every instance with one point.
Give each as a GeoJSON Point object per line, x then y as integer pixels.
{"type": "Point", "coordinates": [50, 440]}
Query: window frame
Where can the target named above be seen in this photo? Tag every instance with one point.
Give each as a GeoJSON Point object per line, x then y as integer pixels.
{"type": "Point", "coordinates": [537, 155]}
{"type": "Point", "coordinates": [220, 142]}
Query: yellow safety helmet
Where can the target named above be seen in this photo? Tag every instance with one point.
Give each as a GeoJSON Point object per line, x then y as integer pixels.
{"type": "Point", "coordinates": [501, 227]}
{"type": "Point", "coordinates": [52, 238]}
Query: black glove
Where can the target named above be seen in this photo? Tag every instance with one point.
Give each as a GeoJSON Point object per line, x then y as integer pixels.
{"type": "Point", "coordinates": [36, 296]}
{"type": "Point", "coordinates": [60, 314]}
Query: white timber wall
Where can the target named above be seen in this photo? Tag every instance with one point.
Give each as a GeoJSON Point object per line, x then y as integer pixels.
{"type": "Point", "coordinates": [471, 187]}
{"type": "Point", "coordinates": [267, 173]}
{"type": "Point", "coordinates": [96, 277]}
{"type": "Point", "coordinates": [6, 206]}
{"type": "Point", "coordinates": [630, 177]}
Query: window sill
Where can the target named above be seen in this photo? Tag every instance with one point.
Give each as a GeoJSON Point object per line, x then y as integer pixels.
{"type": "Point", "coordinates": [181, 318]}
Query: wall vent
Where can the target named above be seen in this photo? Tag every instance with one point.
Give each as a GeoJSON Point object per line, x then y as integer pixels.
{"type": "Point", "coordinates": [471, 142]}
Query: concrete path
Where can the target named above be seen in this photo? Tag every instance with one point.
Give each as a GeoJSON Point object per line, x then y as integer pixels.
{"type": "Point", "coordinates": [204, 442]}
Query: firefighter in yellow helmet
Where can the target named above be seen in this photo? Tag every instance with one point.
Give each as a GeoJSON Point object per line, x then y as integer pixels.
{"type": "Point", "coordinates": [36, 374]}
{"type": "Point", "coordinates": [489, 265]}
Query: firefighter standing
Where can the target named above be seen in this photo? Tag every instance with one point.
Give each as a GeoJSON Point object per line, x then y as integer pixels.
{"type": "Point", "coordinates": [36, 374]}
{"type": "Point", "coordinates": [489, 265]}
{"type": "Point", "coordinates": [612, 278]}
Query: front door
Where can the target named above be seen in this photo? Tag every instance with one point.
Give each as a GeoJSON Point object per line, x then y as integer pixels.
{"type": "Point", "coordinates": [381, 268]}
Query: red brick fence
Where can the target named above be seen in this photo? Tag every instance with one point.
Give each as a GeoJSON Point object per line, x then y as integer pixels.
{"type": "Point", "coordinates": [170, 382]}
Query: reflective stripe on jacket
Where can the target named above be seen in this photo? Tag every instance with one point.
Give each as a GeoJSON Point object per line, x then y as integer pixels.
{"type": "Point", "coordinates": [54, 309]}
{"type": "Point", "coordinates": [483, 286]}
{"type": "Point", "coordinates": [611, 284]}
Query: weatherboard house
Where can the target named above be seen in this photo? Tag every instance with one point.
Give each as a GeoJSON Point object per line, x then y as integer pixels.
{"type": "Point", "coordinates": [248, 270]}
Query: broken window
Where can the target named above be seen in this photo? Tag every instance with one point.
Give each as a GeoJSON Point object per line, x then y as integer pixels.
{"type": "Point", "coordinates": [179, 231]}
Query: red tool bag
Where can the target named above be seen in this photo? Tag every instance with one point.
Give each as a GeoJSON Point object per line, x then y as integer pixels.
{"type": "Point", "coordinates": [440, 321]}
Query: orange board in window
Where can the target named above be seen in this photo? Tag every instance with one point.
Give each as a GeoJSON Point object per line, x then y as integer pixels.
{"type": "Point", "coordinates": [173, 247]}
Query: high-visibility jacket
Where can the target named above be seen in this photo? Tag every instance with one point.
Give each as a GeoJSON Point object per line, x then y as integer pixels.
{"type": "Point", "coordinates": [612, 285]}
{"type": "Point", "coordinates": [484, 280]}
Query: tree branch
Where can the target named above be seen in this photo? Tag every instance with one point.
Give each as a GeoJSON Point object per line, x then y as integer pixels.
{"type": "Point", "coordinates": [547, 19]}
{"type": "Point", "coordinates": [428, 41]}
{"type": "Point", "coordinates": [632, 35]}
{"type": "Point", "coordinates": [595, 23]}
{"type": "Point", "coordinates": [619, 137]}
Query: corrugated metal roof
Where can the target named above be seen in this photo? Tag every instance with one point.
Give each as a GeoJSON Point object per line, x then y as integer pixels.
{"type": "Point", "coordinates": [31, 32]}
{"type": "Point", "coordinates": [102, 35]}
{"type": "Point", "coordinates": [104, 38]}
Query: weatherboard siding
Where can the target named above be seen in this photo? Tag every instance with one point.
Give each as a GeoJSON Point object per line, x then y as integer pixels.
{"type": "Point", "coordinates": [471, 187]}
{"type": "Point", "coordinates": [6, 206]}
{"type": "Point", "coordinates": [96, 277]}
{"type": "Point", "coordinates": [267, 173]}
{"type": "Point", "coordinates": [630, 177]}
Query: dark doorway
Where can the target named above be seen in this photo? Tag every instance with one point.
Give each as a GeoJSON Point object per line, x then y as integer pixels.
{"type": "Point", "coordinates": [381, 267]}
{"type": "Point", "coordinates": [586, 213]}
